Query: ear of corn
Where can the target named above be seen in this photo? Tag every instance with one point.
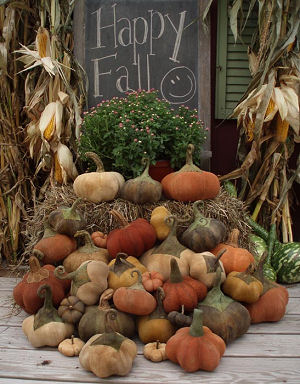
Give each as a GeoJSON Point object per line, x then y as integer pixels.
{"type": "Point", "coordinates": [282, 127]}
{"type": "Point", "coordinates": [42, 42]}
{"type": "Point", "coordinates": [57, 170]}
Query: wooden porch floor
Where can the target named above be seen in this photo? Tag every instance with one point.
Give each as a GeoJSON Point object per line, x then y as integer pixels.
{"type": "Point", "coordinates": [268, 353]}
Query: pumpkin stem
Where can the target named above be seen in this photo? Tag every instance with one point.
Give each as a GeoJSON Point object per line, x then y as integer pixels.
{"type": "Point", "coordinates": [104, 298]}
{"type": "Point", "coordinates": [96, 159]}
{"type": "Point", "coordinates": [47, 313]}
{"type": "Point", "coordinates": [39, 255]}
{"type": "Point", "coordinates": [75, 204]}
{"type": "Point", "coordinates": [146, 162]}
{"type": "Point", "coordinates": [121, 260]}
{"type": "Point", "coordinates": [182, 309]}
{"type": "Point", "coordinates": [196, 328]}
{"type": "Point", "coordinates": [171, 243]}
{"type": "Point", "coordinates": [111, 314]}
{"type": "Point", "coordinates": [72, 339]}
{"type": "Point", "coordinates": [87, 237]}
{"type": "Point", "coordinates": [175, 274]}
{"type": "Point", "coordinates": [121, 219]}
{"type": "Point", "coordinates": [45, 292]}
{"type": "Point", "coordinates": [60, 271]}
{"type": "Point", "coordinates": [36, 273]}
{"type": "Point", "coordinates": [198, 216]}
{"type": "Point", "coordinates": [218, 279]}
{"type": "Point", "coordinates": [189, 154]}
{"type": "Point", "coordinates": [233, 238]}
{"type": "Point", "coordinates": [48, 231]}
{"type": "Point", "coordinates": [220, 254]}
{"type": "Point", "coordinates": [157, 344]}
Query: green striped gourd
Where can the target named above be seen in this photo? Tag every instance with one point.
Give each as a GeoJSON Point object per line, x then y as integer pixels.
{"type": "Point", "coordinates": [285, 258]}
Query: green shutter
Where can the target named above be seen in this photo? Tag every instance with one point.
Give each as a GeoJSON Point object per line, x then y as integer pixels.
{"type": "Point", "coordinates": [232, 66]}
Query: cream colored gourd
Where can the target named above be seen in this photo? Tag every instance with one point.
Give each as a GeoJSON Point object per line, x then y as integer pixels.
{"type": "Point", "coordinates": [109, 353]}
{"type": "Point", "coordinates": [46, 328]}
{"type": "Point", "coordinates": [88, 281]}
{"type": "Point", "coordinates": [100, 185]}
{"type": "Point", "coordinates": [71, 347]}
{"type": "Point", "coordinates": [157, 220]}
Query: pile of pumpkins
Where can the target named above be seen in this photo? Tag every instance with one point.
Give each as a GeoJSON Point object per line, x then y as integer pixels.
{"type": "Point", "coordinates": [185, 298]}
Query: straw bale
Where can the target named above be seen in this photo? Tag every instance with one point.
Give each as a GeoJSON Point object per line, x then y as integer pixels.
{"type": "Point", "coordinates": [231, 211]}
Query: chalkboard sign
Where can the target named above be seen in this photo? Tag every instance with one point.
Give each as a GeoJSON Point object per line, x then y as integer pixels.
{"type": "Point", "coordinates": [125, 45]}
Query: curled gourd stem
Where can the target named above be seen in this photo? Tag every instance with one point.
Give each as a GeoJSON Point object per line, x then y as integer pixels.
{"type": "Point", "coordinates": [219, 255]}
{"type": "Point", "coordinates": [96, 159]}
{"type": "Point", "coordinates": [75, 204]}
{"type": "Point", "coordinates": [45, 292]}
{"type": "Point", "coordinates": [110, 314]}
{"type": "Point", "coordinates": [87, 237]}
{"type": "Point", "coordinates": [60, 271]}
{"type": "Point", "coordinates": [139, 275]}
{"type": "Point", "coordinates": [104, 298]}
{"type": "Point", "coordinates": [39, 254]}
{"type": "Point", "coordinates": [197, 214]}
{"type": "Point", "coordinates": [121, 259]}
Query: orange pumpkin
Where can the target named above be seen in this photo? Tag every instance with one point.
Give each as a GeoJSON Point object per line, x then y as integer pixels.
{"type": "Point", "coordinates": [190, 183]}
{"type": "Point", "coordinates": [133, 238]}
{"type": "Point", "coordinates": [195, 347]}
{"type": "Point", "coordinates": [234, 258]}
{"type": "Point", "coordinates": [181, 290]}
{"type": "Point", "coordinates": [134, 299]}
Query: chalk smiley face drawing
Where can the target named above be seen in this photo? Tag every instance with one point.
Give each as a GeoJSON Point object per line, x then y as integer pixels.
{"type": "Point", "coordinates": [178, 86]}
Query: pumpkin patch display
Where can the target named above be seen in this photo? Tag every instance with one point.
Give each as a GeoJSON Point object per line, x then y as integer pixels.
{"type": "Point", "coordinates": [109, 353]}
{"type": "Point", "coordinates": [181, 290]}
{"type": "Point", "coordinates": [196, 347]}
{"type": "Point", "coordinates": [156, 326]}
{"type": "Point", "coordinates": [134, 299]}
{"type": "Point", "coordinates": [25, 292]}
{"type": "Point", "coordinates": [223, 315]}
{"type": "Point", "coordinates": [190, 183]}
{"type": "Point", "coordinates": [157, 220]}
{"type": "Point", "coordinates": [235, 258]}
{"type": "Point", "coordinates": [67, 220]}
{"type": "Point", "coordinates": [100, 185]}
{"type": "Point", "coordinates": [120, 270]}
{"type": "Point", "coordinates": [87, 282]}
{"type": "Point", "coordinates": [133, 238]}
{"type": "Point", "coordinates": [203, 234]}
{"type": "Point", "coordinates": [88, 251]}
{"type": "Point", "coordinates": [94, 320]}
{"type": "Point", "coordinates": [54, 247]}
{"type": "Point", "coordinates": [155, 352]}
{"type": "Point", "coordinates": [46, 328]}
{"type": "Point", "coordinates": [142, 189]}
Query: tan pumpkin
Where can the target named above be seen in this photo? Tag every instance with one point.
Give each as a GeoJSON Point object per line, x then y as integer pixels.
{"type": "Point", "coordinates": [71, 347]}
{"type": "Point", "coordinates": [88, 251]}
{"type": "Point", "coordinates": [157, 220]}
{"type": "Point", "coordinates": [155, 352]}
{"type": "Point", "coordinates": [100, 185]}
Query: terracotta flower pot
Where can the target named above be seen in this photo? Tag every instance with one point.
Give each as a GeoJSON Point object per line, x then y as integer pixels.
{"type": "Point", "coordinates": [160, 169]}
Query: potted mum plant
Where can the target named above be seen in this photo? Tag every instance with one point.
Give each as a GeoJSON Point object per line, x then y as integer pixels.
{"type": "Point", "coordinates": [122, 131]}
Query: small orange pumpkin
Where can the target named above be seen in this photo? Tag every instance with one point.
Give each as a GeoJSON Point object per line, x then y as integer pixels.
{"type": "Point", "coordinates": [152, 280]}
{"type": "Point", "coordinates": [195, 347]}
{"type": "Point", "coordinates": [234, 258]}
{"type": "Point", "coordinates": [99, 239]}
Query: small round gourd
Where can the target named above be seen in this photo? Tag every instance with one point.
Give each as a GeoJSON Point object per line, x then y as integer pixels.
{"type": "Point", "coordinates": [71, 309]}
{"type": "Point", "coordinates": [71, 347]}
{"type": "Point", "coordinates": [155, 351]}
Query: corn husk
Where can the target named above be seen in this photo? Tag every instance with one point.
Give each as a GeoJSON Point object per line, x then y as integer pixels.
{"type": "Point", "coordinates": [65, 168]}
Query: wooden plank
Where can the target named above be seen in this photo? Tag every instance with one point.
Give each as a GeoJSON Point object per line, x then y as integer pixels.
{"type": "Point", "coordinates": [231, 370]}
{"type": "Point", "coordinates": [248, 345]}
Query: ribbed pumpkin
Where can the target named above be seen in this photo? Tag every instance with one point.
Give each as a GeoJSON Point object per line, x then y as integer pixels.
{"type": "Point", "coordinates": [190, 183]}
{"type": "Point", "coordinates": [100, 185]}
{"type": "Point", "coordinates": [182, 290]}
{"type": "Point", "coordinates": [142, 189]}
{"type": "Point", "coordinates": [235, 258]}
{"type": "Point", "coordinates": [25, 292]}
{"type": "Point", "coordinates": [203, 234]}
{"type": "Point", "coordinates": [195, 347]}
{"type": "Point", "coordinates": [152, 280]}
{"type": "Point", "coordinates": [133, 238]}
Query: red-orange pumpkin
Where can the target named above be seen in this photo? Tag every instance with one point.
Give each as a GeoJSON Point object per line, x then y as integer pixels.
{"type": "Point", "coordinates": [234, 258]}
{"type": "Point", "coordinates": [190, 183]}
{"type": "Point", "coordinates": [25, 292]}
{"type": "Point", "coordinates": [195, 347]}
{"type": "Point", "coordinates": [133, 238]}
{"type": "Point", "coordinates": [182, 290]}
